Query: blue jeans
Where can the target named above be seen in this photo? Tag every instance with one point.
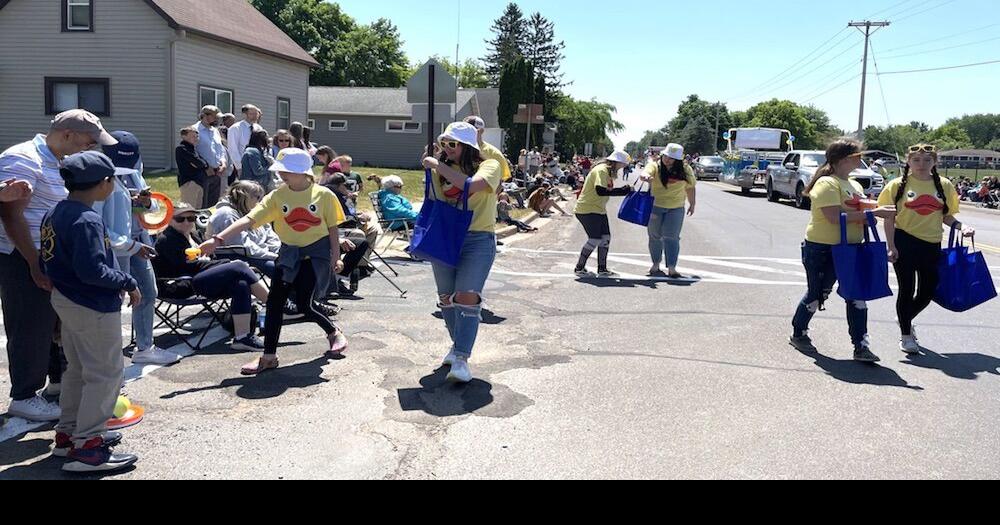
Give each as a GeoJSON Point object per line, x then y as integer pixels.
{"type": "Point", "coordinates": [665, 235]}
{"type": "Point", "coordinates": [478, 255]}
{"type": "Point", "coordinates": [821, 276]}
{"type": "Point", "coordinates": [142, 314]}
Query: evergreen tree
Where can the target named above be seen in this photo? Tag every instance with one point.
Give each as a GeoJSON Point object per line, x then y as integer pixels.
{"type": "Point", "coordinates": [544, 52]}
{"type": "Point", "coordinates": [508, 44]}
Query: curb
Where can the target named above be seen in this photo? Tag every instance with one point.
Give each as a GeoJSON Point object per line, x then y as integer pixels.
{"type": "Point", "coordinates": [510, 231]}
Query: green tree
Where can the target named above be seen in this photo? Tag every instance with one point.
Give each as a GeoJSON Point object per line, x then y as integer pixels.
{"type": "Point", "coordinates": [517, 81]}
{"type": "Point", "coordinates": [949, 137]}
{"type": "Point", "coordinates": [982, 129]}
{"type": "Point", "coordinates": [695, 109]}
{"type": "Point", "coordinates": [510, 33]}
{"type": "Point", "coordinates": [470, 74]}
{"type": "Point", "coordinates": [544, 52]}
{"type": "Point", "coordinates": [698, 137]}
{"type": "Point", "coordinates": [895, 139]}
{"type": "Point", "coordinates": [582, 122]}
{"type": "Point", "coordinates": [783, 114]}
{"type": "Point", "coordinates": [371, 55]}
{"type": "Point", "coordinates": [995, 145]}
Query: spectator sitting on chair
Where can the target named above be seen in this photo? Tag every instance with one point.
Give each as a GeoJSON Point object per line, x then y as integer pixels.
{"type": "Point", "coordinates": [395, 207]}
{"type": "Point", "coordinates": [356, 220]}
{"type": "Point", "coordinates": [324, 157]}
{"type": "Point", "coordinates": [542, 202]}
{"type": "Point", "coordinates": [261, 244]}
{"type": "Point", "coordinates": [213, 280]}
{"type": "Point", "coordinates": [257, 162]}
{"type": "Point", "coordinates": [504, 207]}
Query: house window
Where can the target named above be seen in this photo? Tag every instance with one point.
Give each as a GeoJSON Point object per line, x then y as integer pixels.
{"type": "Point", "coordinates": [402, 126]}
{"type": "Point", "coordinates": [284, 113]}
{"type": "Point", "coordinates": [311, 124]}
{"type": "Point", "coordinates": [77, 15]}
{"type": "Point", "coordinates": [220, 98]}
{"type": "Point", "coordinates": [338, 125]}
{"type": "Point", "coordinates": [91, 94]}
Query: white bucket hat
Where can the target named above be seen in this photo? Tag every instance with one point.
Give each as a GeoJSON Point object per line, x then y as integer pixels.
{"type": "Point", "coordinates": [620, 156]}
{"type": "Point", "coordinates": [293, 160]}
{"type": "Point", "coordinates": [674, 151]}
{"type": "Point", "coordinates": [463, 133]}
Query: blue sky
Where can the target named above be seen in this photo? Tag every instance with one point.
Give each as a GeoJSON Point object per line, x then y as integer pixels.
{"type": "Point", "coordinates": [646, 57]}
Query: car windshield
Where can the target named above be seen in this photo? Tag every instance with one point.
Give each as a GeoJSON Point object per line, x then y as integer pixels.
{"type": "Point", "coordinates": [712, 161]}
{"type": "Point", "coordinates": [813, 161]}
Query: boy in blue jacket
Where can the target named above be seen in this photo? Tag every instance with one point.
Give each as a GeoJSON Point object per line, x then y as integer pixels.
{"type": "Point", "coordinates": [88, 288]}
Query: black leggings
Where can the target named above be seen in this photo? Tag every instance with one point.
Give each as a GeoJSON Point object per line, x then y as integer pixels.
{"type": "Point", "coordinates": [228, 281]}
{"type": "Point", "coordinates": [918, 260]}
{"type": "Point", "coordinates": [598, 238]}
{"type": "Point", "coordinates": [304, 285]}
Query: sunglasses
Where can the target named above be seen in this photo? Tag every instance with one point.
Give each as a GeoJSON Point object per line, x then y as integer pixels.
{"type": "Point", "coordinates": [182, 220]}
{"type": "Point", "coordinates": [283, 141]}
{"type": "Point", "coordinates": [925, 148]}
{"type": "Point", "coordinates": [856, 155]}
{"type": "Point", "coordinates": [448, 144]}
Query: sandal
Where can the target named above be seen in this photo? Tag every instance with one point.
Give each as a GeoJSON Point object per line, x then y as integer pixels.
{"type": "Point", "coordinates": [259, 366]}
{"type": "Point", "coordinates": [338, 345]}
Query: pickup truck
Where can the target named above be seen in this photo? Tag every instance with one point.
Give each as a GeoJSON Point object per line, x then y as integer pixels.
{"type": "Point", "coordinates": [789, 179]}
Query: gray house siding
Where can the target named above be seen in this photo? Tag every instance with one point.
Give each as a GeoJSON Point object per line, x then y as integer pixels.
{"type": "Point", "coordinates": [129, 46]}
{"type": "Point", "coordinates": [368, 143]}
{"type": "Point", "coordinates": [253, 78]}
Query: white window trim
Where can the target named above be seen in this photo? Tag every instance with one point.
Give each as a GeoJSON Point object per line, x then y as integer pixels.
{"type": "Point", "coordinates": [215, 102]}
{"type": "Point", "coordinates": [341, 129]}
{"type": "Point", "coordinates": [404, 131]}
{"type": "Point", "coordinates": [70, 4]}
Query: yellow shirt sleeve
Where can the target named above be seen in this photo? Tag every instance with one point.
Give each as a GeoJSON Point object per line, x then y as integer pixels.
{"type": "Point", "coordinates": [888, 195]}
{"type": "Point", "coordinates": [265, 212]}
{"type": "Point", "coordinates": [333, 214]}
{"type": "Point", "coordinates": [691, 180]}
{"type": "Point", "coordinates": [954, 203]}
{"type": "Point", "coordinates": [826, 194]}
{"type": "Point", "coordinates": [492, 172]}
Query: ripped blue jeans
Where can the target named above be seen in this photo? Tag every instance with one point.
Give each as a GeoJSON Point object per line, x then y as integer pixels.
{"type": "Point", "coordinates": [478, 254]}
{"type": "Point", "coordinates": [821, 276]}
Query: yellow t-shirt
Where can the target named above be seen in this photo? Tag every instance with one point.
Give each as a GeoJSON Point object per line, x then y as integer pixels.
{"type": "Point", "coordinates": [483, 204]}
{"type": "Point", "coordinates": [674, 195]}
{"type": "Point", "coordinates": [490, 152]}
{"type": "Point", "coordinates": [300, 217]}
{"type": "Point", "coordinates": [832, 191]}
{"type": "Point", "coordinates": [590, 201]}
{"type": "Point", "coordinates": [921, 211]}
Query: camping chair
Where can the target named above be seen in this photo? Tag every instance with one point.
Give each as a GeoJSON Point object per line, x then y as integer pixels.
{"type": "Point", "coordinates": [406, 233]}
{"type": "Point", "coordinates": [171, 312]}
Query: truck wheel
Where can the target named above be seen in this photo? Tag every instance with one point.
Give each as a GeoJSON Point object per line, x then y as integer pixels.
{"type": "Point", "coordinates": [801, 201]}
{"type": "Point", "coordinates": [745, 191]}
{"type": "Point", "coordinates": [772, 196]}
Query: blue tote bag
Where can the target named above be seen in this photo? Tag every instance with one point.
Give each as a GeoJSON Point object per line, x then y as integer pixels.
{"type": "Point", "coordinates": [637, 208]}
{"type": "Point", "coordinates": [862, 269]}
{"type": "Point", "coordinates": [440, 230]}
{"type": "Point", "coordinates": [965, 277]}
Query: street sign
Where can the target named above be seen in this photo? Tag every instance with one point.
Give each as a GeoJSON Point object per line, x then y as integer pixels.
{"type": "Point", "coordinates": [588, 150]}
{"type": "Point", "coordinates": [535, 116]}
{"type": "Point", "coordinates": [445, 85]}
{"type": "Point", "coordinates": [442, 113]}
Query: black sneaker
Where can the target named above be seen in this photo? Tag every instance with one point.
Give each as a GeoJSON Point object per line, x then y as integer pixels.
{"type": "Point", "coordinates": [863, 352]}
{"type": "Point", "coordinates": [802, 343]}
{"type": "Point", "coordinates": [607, 274]}
{"type": "Point", "coordinates": [329, 310]}
{"type": "Point", "coordinates": [248, 343]}
{"type": "Point", "coordinates": [583, 272]}
{"type": "Point", "coordinates": [96, 456]}
{"type": "Point", "coordinates": [292, 311]}
{"type": "Point", "coordinates": [344, 289]}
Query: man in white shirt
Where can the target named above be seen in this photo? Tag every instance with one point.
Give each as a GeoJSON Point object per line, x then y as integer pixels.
{"type": "Point", "coordinates": [25, 291]}
{"type": "Point", "coordinates": [239, 135]}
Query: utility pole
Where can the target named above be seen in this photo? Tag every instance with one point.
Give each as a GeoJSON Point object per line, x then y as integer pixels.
{"type": "Point", "coordinates": [718, 106]}
{"type": "Point", "coordinates": [868, 32]}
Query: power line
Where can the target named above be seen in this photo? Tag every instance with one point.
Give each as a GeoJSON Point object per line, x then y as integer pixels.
{"type": "Point", "coordinates": [792, 67]}
{"type": "Point", "coordinates": [890, 8]}
{"type": "Point", "coordinates": [949, 37]}
{"type": "Point", "coordinates": [924, 11]}
{"type": "Point", "coordinates": [940, 68]}
{"type": "Point", "coordinates": [815, 69]}
{"type": "Point", "coordinates": [825, 81]}
{"type": "Point", "coordinates": [834, 88]}
{"type": "Point", "coordinates": [881, 88]}
{"type": "Point", "coordinates": [911, 8]}
{"type": "Point", "coordinates": [917, 53]}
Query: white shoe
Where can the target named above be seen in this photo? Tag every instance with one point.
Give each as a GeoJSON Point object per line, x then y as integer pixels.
{"type": "Point", "coordinates": [909, 345]}
{"type": "Point", "coordinates": [53, 390]}
{"type": "Point", "coordinates": [35, 409]}
{"type": "Point", "coordinates": [449, 360]}
{"type": "Point", "coordinates": [155, 356]}
{"type": "Point", "coordinates": [460, 372]}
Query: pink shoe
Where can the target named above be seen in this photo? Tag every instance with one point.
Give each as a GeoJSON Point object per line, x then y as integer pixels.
{"type": "Point", "coordinates": [338, 345]}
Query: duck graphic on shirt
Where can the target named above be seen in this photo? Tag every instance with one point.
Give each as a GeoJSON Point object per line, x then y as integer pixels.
{"type": "Point", "coordinates": [450, 190]}
{"type": "Point", "coordinates": [302, 219]}
{"type": "Point", "coordinates": [924, 204]}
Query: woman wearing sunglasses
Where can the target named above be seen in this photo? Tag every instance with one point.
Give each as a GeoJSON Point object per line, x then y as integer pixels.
{"type": "Point", "coordinates": [592, 212]}
{"type": "Point", "coordinates": [924, 202]}
{"type": "Point", "coordinates": [282, 140]}
{"type": "Point", "coordinates": [833, 192]}
{"type": "Point", "coordinates": [460, 289]}
{"type": "Point", "coordinates": [210, 279]}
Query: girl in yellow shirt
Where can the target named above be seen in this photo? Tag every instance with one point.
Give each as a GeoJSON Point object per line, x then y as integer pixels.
{"type": "Point", "coordinates": [592, 212]}
{"type": "Point", "coordinates": [673, 183]}
{"type": "Point", "coordinates": [924, 202]}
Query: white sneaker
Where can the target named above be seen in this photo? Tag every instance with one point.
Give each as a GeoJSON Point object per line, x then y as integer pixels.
{"type": "Point", "coordinates": [155, 356]}
{"type": "Point", "coordinates": [909, 345]}
{"type": "Point", "coordinates": [460, 372]}
{"type": "Point", "coordinates": [53, 390]}
{"type": "Point", "coordinates": [35, 409]}
{"type": "Point", "coordinates": [449, 360]}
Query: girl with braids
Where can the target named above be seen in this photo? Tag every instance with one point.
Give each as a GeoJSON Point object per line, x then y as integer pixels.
{"type": "Point", "coordinates": [592, 212]}
{"type": "Point", "coordinates": [672, 182]}
{"type": "Point", "coordinates": [924, 201]}
{"type": "Point", "coordinates": [833, 193]}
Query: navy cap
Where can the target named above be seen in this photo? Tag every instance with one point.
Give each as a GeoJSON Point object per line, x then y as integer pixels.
{"type": "Point", "coordinates": [125, 154]}
{"type": "Point", "coordinates": [87, 168]}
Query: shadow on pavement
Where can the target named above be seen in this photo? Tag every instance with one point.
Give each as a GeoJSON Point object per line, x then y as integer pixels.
{"type": "Point", "coordinates": [439, 398]}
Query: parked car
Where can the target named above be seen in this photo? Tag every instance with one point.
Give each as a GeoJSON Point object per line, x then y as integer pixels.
{"type": "Point", "coordinates": [790, 179]}
{"type": "Point", "coordinates": [708, 168]}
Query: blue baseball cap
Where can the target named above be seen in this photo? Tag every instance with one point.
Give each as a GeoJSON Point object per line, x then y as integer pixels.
{"type": "Point", "coordinates": [87, 168]}
{"type": "Point", "coordinates": [125, 154]}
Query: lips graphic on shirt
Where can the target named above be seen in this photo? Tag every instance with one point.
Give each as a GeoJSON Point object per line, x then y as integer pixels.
{"type": "Point", "coordinates": [450, 190]}
{"type": "Point", "coordinates": [925, 205]}
{"type": "Point", "coordinates": [301, 219]}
